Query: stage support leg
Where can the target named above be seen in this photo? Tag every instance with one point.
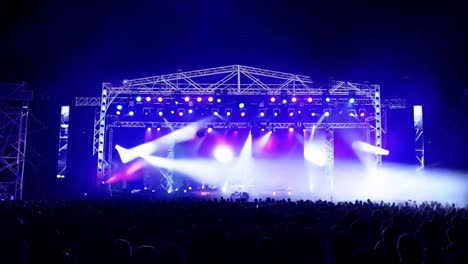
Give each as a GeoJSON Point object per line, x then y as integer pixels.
{"type": "Point", "coordinates": [167, 182]}
{"type": "Point", "coordinates": [419, 135]}
{"type": "Point", "coordinates": [378, 125]}
{"type": "Point", "coordinates": [63, 142]}
{"type": "Point", "coordinates": [330, 167]}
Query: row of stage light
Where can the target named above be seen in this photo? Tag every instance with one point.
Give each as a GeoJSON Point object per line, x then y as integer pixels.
{"type": "Point", "coordinates": [253, 129]}
{"type": "Point", "coordinates": [262, 112]}
{"type": "Point", "coordinates": [211, 99]}
{"type": "Point", "coordinates": [242, 113]}
{"type": "Point", "coordinates": [263, 107]}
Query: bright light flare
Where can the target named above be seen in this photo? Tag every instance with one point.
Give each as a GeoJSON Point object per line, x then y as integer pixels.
{"type": "Point", "coordinates": [223, 154]}
{"type": "Point", "coordinates": [315, 154]}
{"type": "Point", "coordinates": [365, 147]}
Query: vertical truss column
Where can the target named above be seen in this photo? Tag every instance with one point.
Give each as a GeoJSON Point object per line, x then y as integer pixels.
{"type": "Point", "coordinates": [63, 142]}
{"type": "Point", "coordinates": [378, 124]}
{"type": "Point", "coordinates": [419, 134]}
{"type": "Point", "coordinates": [99, 136]}
{"type": "Point", "coordinates": [167, 181]}
{"type": "Point", "coordinates": [21, 150]}
{"type": "Point", "coordinates": [330, 167]}
{"type": "Point", "coordinates": [110, 143]}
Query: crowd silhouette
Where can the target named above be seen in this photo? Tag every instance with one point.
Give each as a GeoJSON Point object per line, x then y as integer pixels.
{"type": "Point", "coordinates": [227, 231]}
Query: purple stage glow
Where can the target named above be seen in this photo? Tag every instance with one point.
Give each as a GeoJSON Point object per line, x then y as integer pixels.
{"type": "Point", "coordinates": [288, 164]}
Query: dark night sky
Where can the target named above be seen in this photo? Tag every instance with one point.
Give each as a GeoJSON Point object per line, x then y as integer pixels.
{"type": "Point", "coordinates": [65, 49]}
{"type": "Point", "coordinates": [70, 47]}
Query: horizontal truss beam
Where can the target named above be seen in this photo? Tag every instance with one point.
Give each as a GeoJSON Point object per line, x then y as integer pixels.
{"type": "Point", "coordinates": [177, 125]}
{"type": "Point", "coordinates": [396, 103]}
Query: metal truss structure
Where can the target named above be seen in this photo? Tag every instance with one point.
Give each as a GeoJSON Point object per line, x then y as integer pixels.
{"type": "Point", "coordinates": [63, 142]}
{"type": "Point", "coordinates": [14, 115]}
{"type": "Point", "coordinates": [236, 80]}
{"type": "Point", "coordinates": [419, 134]}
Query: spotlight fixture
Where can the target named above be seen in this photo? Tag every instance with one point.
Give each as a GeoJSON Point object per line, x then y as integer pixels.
{"type": "Point", "coordinates": [241, 105]}
{"type": "Point", "coordinates": [272, 99]}
{"type": "Point", "coordinates": [158, 127]}
{"type": "Point", "coordinates": [131, 113]}
{"type": "Point", "coordinates": [291, 129]}
{"type": "Point", "coordinates": [209, 129]}
{"type": "Point", "coordinates": [228, 111]}
{"type": "Point", "coordinates": [218, 100]}
{"type": "Point", "coordinates": [293, 99]}
{"type": "Point", "coordinates": [172, 111]}
{"type": "Point", "coordinates": [190, 111]}
{"type": "Point", "coordinates": [200, 134]}
{"type": "Point", "coordinates": [138, 99]}
{"type": "Point", "coordinates": [210, 99]}
{"type": "Point", "coordinates": [181, 111]}
{"type": "Point", "coordinates": [119, 107]}
{"type": "Point", "coordinates": [261, 112]}
{"type": "Point", "coordinates": [291, 111]}
{"type": "Point", "coordinates": [186, 99]}
{"type": "Point", "coordinates": [146, 111]}
{"type": "Point", "coordinates": [199, 99]}
{"type": "Point", "coordinates": [148, 99]}
{"type": "Point", "coordinates": [352, 95]}
{"type": "Point", "coordinates": [148, 127]}
{"type": "Point", "coordinates": [160, 111]}
{"type": "Point", "coordinates": [352, 112]}
{"type": "Point", "coordinates": [309, 99]}
{"type": "Point", "coordinates": [326, 112]}
{"type": "Point", "coordinates": [117, 112]}
{"type": "Point", "coordinates": [326, 97]}
{"type": "Point", "coordinates": [242, 113]}
{"type": "Point", "coordinates": [215, 111]}
{"type": "Point", "coordinates": [362, 112]}
{"type": "Point", "coordinates": [160, 99]}
{"type": "Point", "coordinates": [276, 112]}
{"type": "Point", "coordinates": [285, 101]}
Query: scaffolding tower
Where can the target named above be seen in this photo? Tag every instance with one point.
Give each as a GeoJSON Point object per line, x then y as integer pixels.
{"type": "Point", "coordinates": [14, 115]}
